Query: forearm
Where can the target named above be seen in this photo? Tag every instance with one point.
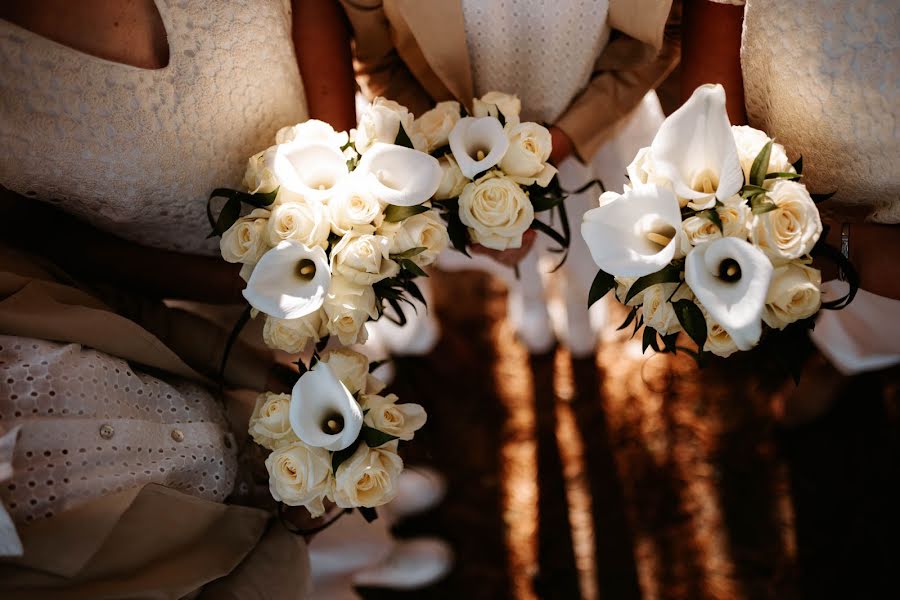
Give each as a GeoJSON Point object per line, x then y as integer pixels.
{"type": "Point", "coordinates": [711, 52]}
{"type": "Point", "coordinates": [322, 43]}
{"type": "Point", "coordinates": [873, 251]}
{"type": "Point", "coordinates": [96, 256]}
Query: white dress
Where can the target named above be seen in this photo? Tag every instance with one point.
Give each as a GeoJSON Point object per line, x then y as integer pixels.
{"type": "Point", "coordinates": [824, 79]}
{"type": "Point", "coordinates": [135, 152]}
{"type": "Point", "coordinates": [545, 52]}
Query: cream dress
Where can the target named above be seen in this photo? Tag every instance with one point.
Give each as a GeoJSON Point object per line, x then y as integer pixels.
{"type": "Point", "coordinates": [134, 152]}
{"type": "Point", "coordinates": [823, 78]}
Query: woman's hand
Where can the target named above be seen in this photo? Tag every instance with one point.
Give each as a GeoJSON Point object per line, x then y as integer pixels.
{"type": "Point", "coordinates": [510, 257]}
{"type": "Point", "coordinates": [562, 145]}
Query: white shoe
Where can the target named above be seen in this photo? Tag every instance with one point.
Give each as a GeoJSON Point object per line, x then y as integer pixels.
{"type": "Point", "coordinates": [412, 565]}
{"type": "Point", "coordinates": [531, 322]}
{"type": "Point", "coordinates": [420, 489]}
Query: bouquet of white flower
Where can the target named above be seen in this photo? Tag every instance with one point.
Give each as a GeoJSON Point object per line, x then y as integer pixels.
{"type": "Point", "coordinates": [334, 437]}
{"type": "Point", "coordinates": [495, 172]}
{"type": "Point", "coordinates": [340, 226]}
{"type": "Point", "coordinates": [714, 236]}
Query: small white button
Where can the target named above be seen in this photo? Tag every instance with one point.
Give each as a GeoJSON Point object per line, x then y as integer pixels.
{"type": "Point", "coordinates": [177, 435]}
{"type": "Point", "coordinates": [107, 431]}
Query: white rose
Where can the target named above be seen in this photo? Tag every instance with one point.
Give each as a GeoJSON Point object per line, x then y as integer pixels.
{"type": "Point", "coordinates": [347, 308]}
{"type": "Point", "coordinates": [794, 294]}
{"type": "Point", "coordinates": [736, 217]}
{"type": "Point", "coordinates": [749, 142]}
{"type": "Point", "coordinates": [381, 122]}
{"type": "Point", "coordinates": [374, 385]}
{"type": "Point", "coordinates": [453, 180]}
{"type": "Point", "coordinates": [623, 284]}
{"type": "Point", "coordinates": [245, 241]}
{"type": "Point", "coordinates": [260, 175]}
{"type": "Point", "coordinates": [425, 230]}
{"type": "Point", "coordinates": [399, 420]}
{"type": "Point", "coordinates": [529, 149]}
{"type": "Point", "coordinates": [494, 103]}
{"type": "Point", "coordinates": [270, 423]}
{"type": "Point", "coordinates": [353, 206]}
{"type": "Point", "coordinates": [304, 221]}
{"type": "Point", "coordinates": [294, 335]}
{"type": "Point", "coordinates": [696, 231]}
{"type": "Point", "coordinates": [363, 258]}
{"type": "Point", "coordinates": [642, 171]}
{"type": "Point", "coordinates": [369, 477]}
{"type": "Point", "coordinates": [717, 339]}
{"type": "Point", "coordinates": [352, 368]}
{"type": "Point", "coordinates": [300, 475]}
{"type": "Point", "coordinates": [435, 125]}
{"type": "Point", "coordinates": [658, 311]}
{"type": "Point", "coordinates": [496, 211]}
{"type": "Point", "coordinates": [793, 228]}
{"type": "Point", "coordinates": [312, 131]}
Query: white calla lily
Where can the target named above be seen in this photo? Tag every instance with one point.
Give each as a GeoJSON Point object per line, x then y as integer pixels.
{"type": "Point", "coordinates": [635, 233]}
{"type": "Point", "coordinates": [478, 143]}
{"type": "Point", "coordinates": [313, 170]}
{"type": "Point", "coordinates": [731, 277]}
{"type": "Point", "coordinates": [695, 150]}
{"type": "Point", "coordinates": [323, 412]}
{"type": "Point", "coordinates": [289, 281]}
{"type": "Point", "coordinates": [400, 176]}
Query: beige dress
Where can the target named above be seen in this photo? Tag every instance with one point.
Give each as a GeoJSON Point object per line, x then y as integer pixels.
{"type": "Point", "coordinates": [134, 152]}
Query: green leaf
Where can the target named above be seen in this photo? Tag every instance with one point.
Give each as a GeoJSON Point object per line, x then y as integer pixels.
{"type": "Point", "coordinates": [798, 166]}
{"type": "Point", "coordinates": [415, 292]}
{"type": "Point", "coordinates": [603, 282]}
{"type": "Point", "coordinates": [373, 366]}
{"type": "Point", "coordinates": [412, 267]}
{"type": "Point", "coordinates": [628, 319]}
{"type": "Point", "coordinates": [395, 214]}
{"type": "Point", "coordinates": [544, 200]}
{"type": "Point", "coordinates": [260, 200]}
{"type": "Point", "coordinates": [649, 340]}
{"type": "Point", "coordinates": [458, 232]}
{"type": "Point", "coordinates": [403, 138]}
{"type": "Point", "coordinates": [692, 321]}
{"type": "Point", "coordinates": [712, 215]}
{"type": "Point", "coordinates": [339, 456]}
{"type": "Point", "coordinates": [761, 165]}
{"type": "Point", "coordinates": [819, 198]}
{"type": "Point", "coordinates": [227, 217]}
{"type": "Point", "coordinates": [409, 253]}
{"type": "Point", "coordinates": [368, 513]}
{"type": "Point", "coordinates": [748, 191]}
{"type": "Point", "coordinates": [637, 325]}
{"type": "Point", "coordinates": [669, 342]}
{"type": "Point", "coordinates": [500, 116]}
{"type": "Point", "coordinates": [374, 437]}
{"type": "Point", "coordinates": [785, 175]}
{"type": "Point", "coordinates": [668, 274]}
{"type": "Point", "coordinates": [760, 204]}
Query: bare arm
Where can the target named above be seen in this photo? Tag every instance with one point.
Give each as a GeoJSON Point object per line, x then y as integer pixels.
{"type": "Point", "coordinates": [711, 52]}
{"type": "Point", "coordinates": [322, 44]}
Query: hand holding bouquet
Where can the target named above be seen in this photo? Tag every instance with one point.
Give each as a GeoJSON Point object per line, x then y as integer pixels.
{"type": "Point", "coordinates": [340, 227]}
{"type": "Point", "coordinates": [496, 173]}
{"type": "Point", "coordinates": [714, 236]}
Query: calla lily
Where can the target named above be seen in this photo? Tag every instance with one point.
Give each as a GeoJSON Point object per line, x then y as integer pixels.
{"type": "Point", "coordinates": [400, 176]}
{"type": "Point", "coordinates": [323, 412]}
{"type": "Point", "coordinates": [290, 281]}
{"type": "Point", "coordinates": [478, 143]}
{"type": "Point", "coordinates": [635, 233]}
{"type": "Point", "coordinates": [731, 277]}
{"type": "Point", "coordinates": [312, 170]}
{"type": "Point", "coordinates": [695, 150]}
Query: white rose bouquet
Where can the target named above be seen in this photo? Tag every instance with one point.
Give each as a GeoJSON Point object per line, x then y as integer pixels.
{"type": "Point", "coordinates": [335, 437]}
{"type": "Point", "coordinates": [714, 236]}
{"type": "Point", "coordinates": [495, 172]}
{"type": "Point", "coordinates": [341, 225]}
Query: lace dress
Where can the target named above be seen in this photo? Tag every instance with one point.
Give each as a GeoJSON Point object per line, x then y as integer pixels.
{"type": "Point", "coordinates": [135, 152]}
{"type": "Point", "coordinates": [822, 78]}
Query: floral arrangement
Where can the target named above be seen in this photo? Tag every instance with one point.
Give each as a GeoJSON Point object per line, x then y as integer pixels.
{"type": "Point", "coordinates": [334, 437]}
{"type": "Point", "coordinates": [340, 226]}
{"type": "Point", "coordinates": [495, 174]}
{"type": "Point", "coordinates": [714, 236]}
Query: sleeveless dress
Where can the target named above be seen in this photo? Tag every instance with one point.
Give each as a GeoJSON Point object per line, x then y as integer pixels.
{"type": "Point", "coordinates": [134, 152]}
{"type": "Point", "coordinates": [823, 78]}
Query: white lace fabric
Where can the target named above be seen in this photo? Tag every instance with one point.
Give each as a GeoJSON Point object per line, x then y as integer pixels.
{"type": "Point", "coordinates": [135, 151]}
{"type": "Point", "coordinates": [91, 425]}
{"type": "Point", "coordinates": [544, 52]}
